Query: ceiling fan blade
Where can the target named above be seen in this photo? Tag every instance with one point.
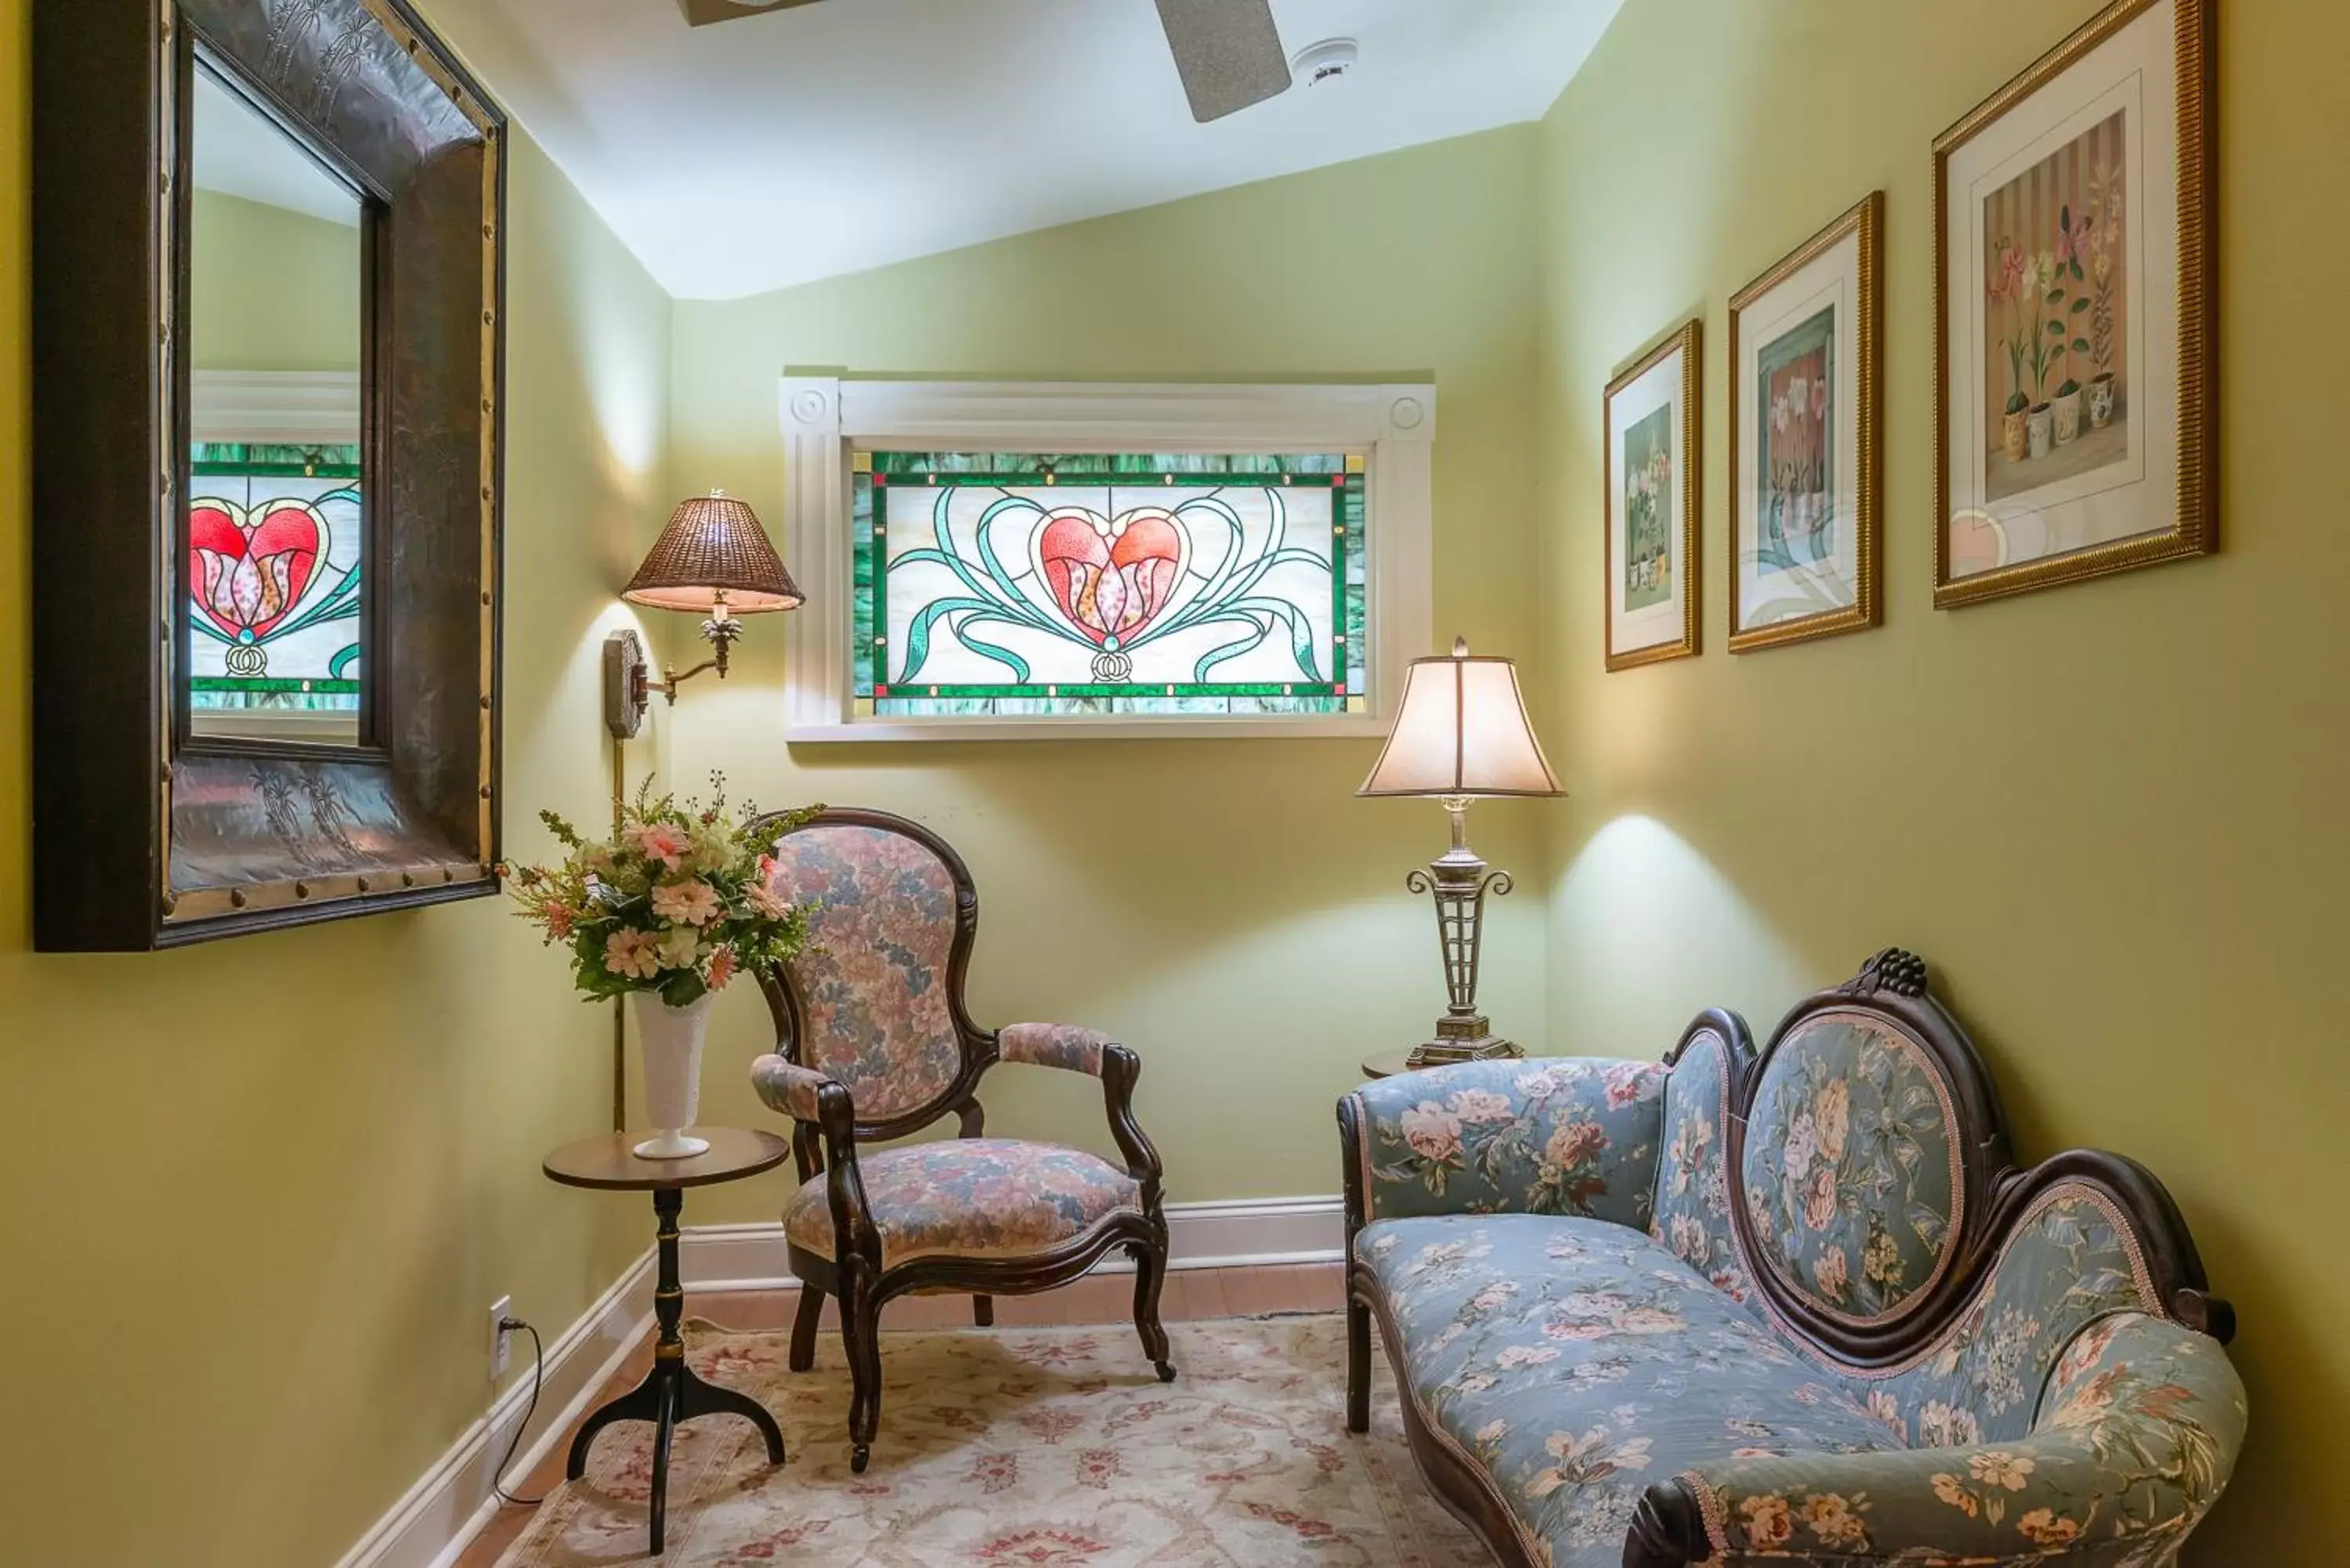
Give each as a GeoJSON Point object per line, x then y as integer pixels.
{"type": "Point", "coordinates": [703, 12]}
{"type": "Point", "coordinates": [1228, 52]}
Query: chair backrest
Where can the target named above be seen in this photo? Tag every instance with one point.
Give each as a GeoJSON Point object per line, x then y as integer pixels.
{"type": "Point", "coordinates": [1881, 1217]}
{"type": "Point", "coordinates": [1863, 1160]}
{"type": "Point", "coordinates": [876, 1000]}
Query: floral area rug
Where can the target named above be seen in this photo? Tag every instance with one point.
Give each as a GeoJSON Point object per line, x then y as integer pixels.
{"type": "Point", "coordinates": [1046, 1448]}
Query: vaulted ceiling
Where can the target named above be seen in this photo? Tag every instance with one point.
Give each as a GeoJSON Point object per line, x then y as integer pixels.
{"type": "Point", "coordinates": [819, 139]}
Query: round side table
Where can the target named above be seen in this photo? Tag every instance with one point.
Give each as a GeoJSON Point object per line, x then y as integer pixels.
{"type": "Point", "coordinates": [1387, 1064]}
{"type": "Point", "coordinates": [671, 1394]}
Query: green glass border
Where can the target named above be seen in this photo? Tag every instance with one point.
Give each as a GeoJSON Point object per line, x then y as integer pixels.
{"type": "Point", "coordinates": [273, 686]}
{"type": "Point", "coordinates": [890, 471]}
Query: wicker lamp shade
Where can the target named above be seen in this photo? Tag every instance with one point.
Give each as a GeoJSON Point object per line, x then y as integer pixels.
{"type": "Point", "coordinates": [713, 545]}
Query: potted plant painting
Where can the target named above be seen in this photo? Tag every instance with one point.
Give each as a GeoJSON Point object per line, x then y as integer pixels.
{"type": "Point", "coordinates": [667, 911]}
{"type": "Point", "coordinates": [2104, 225]}
{"type": "Point", "coordinates": [2006, 284]}
{"type": "Point", "coordinates": [2066, 310]}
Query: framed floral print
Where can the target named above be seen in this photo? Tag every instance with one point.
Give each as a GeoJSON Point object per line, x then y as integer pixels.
{"type": "Point", "coordinates": [1653, 434]}
{"type": "Point", "coordinates": [2075, 321]}
{"type": "Point", "coordinates": [1806, 400]}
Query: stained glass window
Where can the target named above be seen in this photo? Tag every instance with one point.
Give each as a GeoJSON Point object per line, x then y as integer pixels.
{"type": "Point", "coordinates": [274, 553]}
{"type": "Point", "coordinates": [1033, 585]}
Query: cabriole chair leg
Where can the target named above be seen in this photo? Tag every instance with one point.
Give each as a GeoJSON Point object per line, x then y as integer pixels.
{"type": "Point", "coordinates": [860, 1332]}
{"type": "Point", "coordinates": [1149, 1275]}
{"type": "Point", "coordinates": [804, 1328]}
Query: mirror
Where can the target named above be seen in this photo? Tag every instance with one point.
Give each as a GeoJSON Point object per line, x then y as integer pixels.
{"type": "Point", "coordinates": [277, 522]}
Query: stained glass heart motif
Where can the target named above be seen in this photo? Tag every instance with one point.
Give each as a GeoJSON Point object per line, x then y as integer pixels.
{"type": "Point", "coordinates": [247, 572]}
{"type": "Point", "coordinates": [1111, 577]}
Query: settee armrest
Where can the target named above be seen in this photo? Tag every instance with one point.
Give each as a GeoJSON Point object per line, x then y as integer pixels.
{"type": "Point", "coordinates": [1566, 1136]}
{"type": "Point", "coordinates": [2138, 1433]}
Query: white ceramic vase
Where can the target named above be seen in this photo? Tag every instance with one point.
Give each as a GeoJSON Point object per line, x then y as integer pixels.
{"type": "Point", "coordinates": [670, 1039]}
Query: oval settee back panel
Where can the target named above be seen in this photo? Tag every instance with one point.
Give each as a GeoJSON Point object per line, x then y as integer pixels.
{"type": "Point", "coordinates": [1851, 1170]}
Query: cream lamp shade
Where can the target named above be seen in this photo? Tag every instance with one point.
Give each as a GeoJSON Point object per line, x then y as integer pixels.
{"type": "Point", "coordinates": [1461, 731]}
{"type": "Point", "coordinates": [714, 550]}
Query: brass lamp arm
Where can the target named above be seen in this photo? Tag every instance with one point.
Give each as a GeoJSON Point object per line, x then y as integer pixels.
{"type": "Point", "coordinates": [720, 632]}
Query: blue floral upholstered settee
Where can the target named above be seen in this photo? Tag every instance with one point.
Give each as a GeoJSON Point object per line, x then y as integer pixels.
{"type": "Point", "coordinates": [1798, 1306]}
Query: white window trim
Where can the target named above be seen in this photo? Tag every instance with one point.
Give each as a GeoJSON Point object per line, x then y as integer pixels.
{"type": "Point", "coordinates": [827, 417]}
{"type": "Point", "coordinates": [275, 408]}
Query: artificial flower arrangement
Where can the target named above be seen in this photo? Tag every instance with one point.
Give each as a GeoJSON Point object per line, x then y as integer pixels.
{"type": "Point", "coordinates": [677, 903]}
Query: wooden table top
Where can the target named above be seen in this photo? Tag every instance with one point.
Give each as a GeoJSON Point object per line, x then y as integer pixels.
{"type": "Point", "coordinates": [1387, 1064]}
{"type": "Point", "coordinates": [608, 1161]}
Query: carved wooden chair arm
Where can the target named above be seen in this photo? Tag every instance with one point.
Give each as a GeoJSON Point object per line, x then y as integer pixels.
{"type": "Point", "coordinates": [1072, 1049]}
{"type": "Point", "coordinates": [821, 1106]}
{"type": "Point", "coordinates": [1066, 1046]}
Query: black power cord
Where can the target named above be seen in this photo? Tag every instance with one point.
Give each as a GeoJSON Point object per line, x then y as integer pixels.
{"type": "Point", "coordinates": [537, 1374]}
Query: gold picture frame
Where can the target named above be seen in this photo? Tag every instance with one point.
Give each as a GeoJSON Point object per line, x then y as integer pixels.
{"type": "Point", "coordinates": [1807, 512]}
{"type": "Point", "coordinates": [2093, 168]}
{"type": "Point", "coordinates": [1651, 417]}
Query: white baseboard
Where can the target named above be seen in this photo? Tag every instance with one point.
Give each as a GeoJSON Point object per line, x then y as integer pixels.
{"type": "Point", "coordinates": [1224, 1234]}
{"type": "Point", "coordinates": [454, 1500]}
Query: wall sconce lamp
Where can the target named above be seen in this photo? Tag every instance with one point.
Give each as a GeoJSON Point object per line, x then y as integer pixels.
{"type": "Point", "coordinates": [714, 558]}
{"type": "Point", "coordinates": [1461, 734]}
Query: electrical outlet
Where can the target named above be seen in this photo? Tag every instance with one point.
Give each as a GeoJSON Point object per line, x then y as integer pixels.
{"type": "Point", "coordinates": [501, 1337]}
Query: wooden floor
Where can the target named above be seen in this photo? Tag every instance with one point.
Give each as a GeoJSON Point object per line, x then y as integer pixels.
{"type": "Point", "coordinates": [1189, 1294]}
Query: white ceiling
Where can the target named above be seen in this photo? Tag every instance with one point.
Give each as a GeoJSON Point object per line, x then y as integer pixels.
{"type": "Point", "coordinates": [835, 136]}
{"type": "Point", "coordinates": [239, 153]}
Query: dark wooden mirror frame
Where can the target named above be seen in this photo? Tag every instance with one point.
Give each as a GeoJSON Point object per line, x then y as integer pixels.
{"type": "Point", "coordinates": [146, 835]}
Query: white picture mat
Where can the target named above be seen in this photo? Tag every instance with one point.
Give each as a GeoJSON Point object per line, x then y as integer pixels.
{"type": "Point", "coordinates": [2132, 72]}
{"type": "Point", "coordinates": [1629, 632]}
{"type": "Point", "coordinates": [1832, 279]}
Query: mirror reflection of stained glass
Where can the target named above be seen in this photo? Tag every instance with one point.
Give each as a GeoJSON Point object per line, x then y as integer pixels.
{"type": "Point", "coordinates": [275, 528]}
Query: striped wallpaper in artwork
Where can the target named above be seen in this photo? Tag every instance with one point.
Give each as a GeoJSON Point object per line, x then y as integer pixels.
{"type": "Point", "coordinates": [2087, 178]}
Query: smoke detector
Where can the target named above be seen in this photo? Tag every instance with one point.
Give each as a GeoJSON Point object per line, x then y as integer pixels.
{"type": "Point", "coordinates": [1327, 61]}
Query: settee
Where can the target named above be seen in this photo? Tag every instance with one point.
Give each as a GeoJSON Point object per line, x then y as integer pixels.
{"type": "Point", "coordinates": [1797, 1305]}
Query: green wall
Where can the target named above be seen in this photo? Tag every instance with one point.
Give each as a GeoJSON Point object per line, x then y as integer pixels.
{"type": "Point", "coordinates": [1226, 905]}
{"type": "Point", "coordinates": [260, 1194]}
{"type": "Point", "coordinates": [270, 289]}
{"type": "Point", "coordinates": [2109, 813]}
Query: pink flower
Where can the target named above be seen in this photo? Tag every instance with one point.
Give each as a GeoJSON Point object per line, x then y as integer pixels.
{"type": "Point", "coordinates": [765, 900]}
{"type": "Point", "coordinates": [1432, 1132]}
{"type": "Point", "coordinates": [559, 918]}
{"type": "Point", "coordinates": [1820, 398]}
{"type": "Point", "coordinates": [656, 841]}
{"type": "Point", "coordinates": [633, 954]}
{"type": "Point", "coordinates": [721, 969]}
{"type": "Point", "coordinates": [2011, 272]}
{"type": "Point", "coordinates": [690, 903]}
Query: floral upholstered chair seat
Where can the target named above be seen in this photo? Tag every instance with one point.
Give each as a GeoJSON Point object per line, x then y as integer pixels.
{"type": "Point", "coordinates": [1794, 1307]}
{"type": "Point", "coordinates": [1579, 1360]}
{"type": "Point", "coordinates": [972, 1198]}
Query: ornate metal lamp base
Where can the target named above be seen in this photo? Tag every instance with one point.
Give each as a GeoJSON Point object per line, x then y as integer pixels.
{"type": "Point", "coordinates": [1459, 882]}
{"type": "Point", "coordinates": [1483, 1046]}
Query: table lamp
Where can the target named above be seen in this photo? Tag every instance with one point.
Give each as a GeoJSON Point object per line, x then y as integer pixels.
{"type": "Point", "coordinates": [714, 558]}
{"type": "Point", "coordinates": [1461, 734]}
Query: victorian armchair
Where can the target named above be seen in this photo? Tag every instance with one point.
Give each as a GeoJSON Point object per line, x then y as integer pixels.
{"type": "Point", "coordinates": [874, 1042]}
